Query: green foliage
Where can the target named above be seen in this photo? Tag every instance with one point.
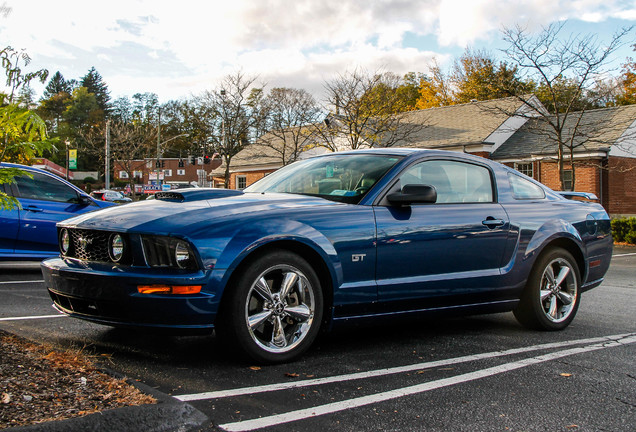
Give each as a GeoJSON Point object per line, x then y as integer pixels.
{"type": "Point", "coordinates": [22, 131]}
{"type": "Point", "coordinates": [57, 84]}
{"type": "Point", "coordinates": [95, 84]}
{"type": "Point", "coordinates": [624, 230]}
{"type": "Point", "coordinates": [6, 176]}
{"type": "Point", "coordinates": [83, 109]}
{"type": "Point", "coordinates": [563, 95]}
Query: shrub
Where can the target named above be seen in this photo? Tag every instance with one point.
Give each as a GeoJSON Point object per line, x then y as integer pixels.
{"type": "Point", "coordinates": [624, 230]}
{"type": "Point", "coordinates": [89, 180]}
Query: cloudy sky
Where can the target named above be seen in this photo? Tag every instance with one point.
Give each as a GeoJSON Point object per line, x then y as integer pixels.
{"type": "Point", "coordinates": [180, 48]}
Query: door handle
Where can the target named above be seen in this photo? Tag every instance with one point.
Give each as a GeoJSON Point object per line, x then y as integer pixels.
{"type": "Point", "coordinates": [491, 222]}
{"type": "Point", "coordinates": [33, 209]}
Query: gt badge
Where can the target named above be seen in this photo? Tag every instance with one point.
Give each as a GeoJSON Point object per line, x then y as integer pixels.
{"type": "Point", "coordinates": [358, 257]}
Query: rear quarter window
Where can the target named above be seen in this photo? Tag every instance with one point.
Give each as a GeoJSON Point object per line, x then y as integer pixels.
{"type": "Point", "coordinates": [523, 189]}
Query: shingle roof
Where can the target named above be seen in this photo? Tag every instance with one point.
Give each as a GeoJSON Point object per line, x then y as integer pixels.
{"type": "Point", "coordinates": [598, 129]}
{"type": "Point", "coordinates": [266, 151]}
{"type": "Point", "coordinates": [468, 123]}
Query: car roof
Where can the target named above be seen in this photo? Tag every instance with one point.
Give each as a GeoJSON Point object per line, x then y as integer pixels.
{"type": "Point", "coordinates": [41, 171]}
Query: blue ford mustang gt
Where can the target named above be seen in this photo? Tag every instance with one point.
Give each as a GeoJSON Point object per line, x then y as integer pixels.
{"type": "Point", "coordinates": [331, 239]}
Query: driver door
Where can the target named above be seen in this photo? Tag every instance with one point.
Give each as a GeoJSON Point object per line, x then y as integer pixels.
{"type": "Point", "coordinates": [445, 253]}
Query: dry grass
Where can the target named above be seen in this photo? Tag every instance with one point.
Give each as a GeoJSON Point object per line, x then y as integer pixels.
{"type": "Point", "coordinates": [39, 384]}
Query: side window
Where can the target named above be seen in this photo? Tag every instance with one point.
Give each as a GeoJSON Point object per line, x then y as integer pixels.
{"type": "Point", "coordinates": [43, 187]}
{"type": "Point", "coordinates": [455, 182]}
{"type": "Point", "coordinates": [524, 189]}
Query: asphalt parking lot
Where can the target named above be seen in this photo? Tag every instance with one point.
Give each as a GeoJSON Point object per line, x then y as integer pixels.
{"type": "Point", "coordinates": [482, 373]}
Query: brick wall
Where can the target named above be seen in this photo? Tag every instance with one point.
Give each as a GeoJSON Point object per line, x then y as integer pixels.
{"type": "Point", "coordinates": [587, 176]}
{"type": "Point", "coordinates": [621, 185]}
{"type": "Point", "coordinates": [252, 177]}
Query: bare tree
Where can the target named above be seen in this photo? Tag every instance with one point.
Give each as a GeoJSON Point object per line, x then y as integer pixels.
{"type": "Point", "coordinates": [128, 142]}
{"type": "Point", "coordinates": [290, 112]}
{"type": "Point", "coordinates": [565, 70]}
{"type": "Point", "coordinates": [365, 112]}
{"type": "Point", "coordinates": [239, 116]}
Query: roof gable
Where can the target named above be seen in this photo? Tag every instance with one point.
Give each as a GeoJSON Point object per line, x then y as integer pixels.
{"type": "Point", "coordinates": [596, 130]}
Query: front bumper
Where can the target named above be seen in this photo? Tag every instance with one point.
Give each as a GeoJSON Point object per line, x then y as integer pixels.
{"type": "Point", "coordinates": [108, 294]}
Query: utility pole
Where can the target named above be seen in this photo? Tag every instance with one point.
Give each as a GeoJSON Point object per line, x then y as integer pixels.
{"type": "Point", "coordinates": [66, 142]}
{"type": "Point", "coordinates": [158, 164]}
{"type": "Point", "coordinates": [107, 173]}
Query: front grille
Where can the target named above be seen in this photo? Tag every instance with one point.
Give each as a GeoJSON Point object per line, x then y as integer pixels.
{"type": "Point", "coordinates": [90, 245]}
{"type": "Point", "coordinates": [93, 245]}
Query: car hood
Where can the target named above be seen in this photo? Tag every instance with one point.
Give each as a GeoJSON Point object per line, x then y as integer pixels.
{"type": "Point", "coordinates": [166, 217]}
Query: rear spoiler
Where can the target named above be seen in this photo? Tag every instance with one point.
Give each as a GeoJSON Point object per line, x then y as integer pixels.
{"type": "Point", "coordinates": [582, 196]}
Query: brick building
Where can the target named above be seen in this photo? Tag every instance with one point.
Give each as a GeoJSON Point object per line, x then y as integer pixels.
{"type": "Point", "coordinates": [174, 171]}
{"type": "Point", "coordinates": [604, 156]}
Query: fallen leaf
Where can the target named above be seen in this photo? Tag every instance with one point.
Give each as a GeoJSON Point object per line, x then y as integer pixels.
{"type": "Point", "coordinates": [291, 375]}
{"type": "Point", "coordinates": [566, 375]}
{"type": "Point", "coordinates": [255, 367]}
{"type": "Point", "coordinates": [6, 398]}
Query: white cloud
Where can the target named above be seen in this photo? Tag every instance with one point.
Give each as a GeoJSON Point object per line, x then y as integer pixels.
{"type": "Point", "coordinates": [189, 44]}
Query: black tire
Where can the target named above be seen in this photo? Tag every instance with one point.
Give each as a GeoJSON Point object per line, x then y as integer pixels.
{"type": "Point", "coordinates": [264, 324]}
{"type": "Point", "coordinates": [552, 294]}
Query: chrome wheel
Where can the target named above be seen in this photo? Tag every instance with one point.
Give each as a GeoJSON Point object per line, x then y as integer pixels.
{"type": "Point", "coordinates": [551, 296]}
{"type": "Point", "coordinates": [280, 308]}
{"type": "Point", "coordinates": [558, 290]}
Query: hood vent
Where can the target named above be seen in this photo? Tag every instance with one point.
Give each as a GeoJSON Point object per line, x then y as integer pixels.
{"type": "Point", "coordinates": [195, 194]}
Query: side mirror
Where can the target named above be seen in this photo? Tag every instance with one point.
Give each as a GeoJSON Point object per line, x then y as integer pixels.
{"type": "Point", "coordinates": [85, 200]}
{"type": "Point", "coordinates": [413, 194]}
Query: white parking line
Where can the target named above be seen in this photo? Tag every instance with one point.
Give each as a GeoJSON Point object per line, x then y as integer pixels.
{"type": "Point", "coordinates": [623, 255]}
{"type": "Point", "coordinates": [263, 422]}
{"type": "Point", "coordinates": [32, 317]}
{"type": "Point", "coordinates": [19, 282]}
{"type": "Point", "coordinates": [394, 370]}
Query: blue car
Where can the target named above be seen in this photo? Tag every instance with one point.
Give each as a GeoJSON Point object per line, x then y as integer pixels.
{"type": "Point", "coordinates": [334, 239]}
{"type": "Point", "coordinates": [29, 233]}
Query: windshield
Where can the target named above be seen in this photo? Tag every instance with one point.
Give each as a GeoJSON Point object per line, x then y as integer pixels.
{"type": "Point", "coordinates": [339, 177]}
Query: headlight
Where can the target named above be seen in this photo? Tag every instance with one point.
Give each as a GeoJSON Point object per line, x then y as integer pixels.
{"type": "Point", "coordinates": [161, 251]}
{"type": "Point", "coordinates": [65, 241]}
{"type": "Point", "coordinates": [116, 247]}
{"type": "Point", "coordinates": [182, 254]}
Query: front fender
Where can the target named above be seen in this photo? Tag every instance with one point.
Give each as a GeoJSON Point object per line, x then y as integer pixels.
{"type": "Point", "coordinates": [252, 237]}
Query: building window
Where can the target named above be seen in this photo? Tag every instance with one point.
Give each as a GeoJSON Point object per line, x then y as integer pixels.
{"type": "Point", "coordinates": [180, 172]}
{"type": "Point", "coordinates": [138, 174]}
{"type": "Point", "coordinates": [567, 180]}
{"type": "Point", "coordinates": [525, 168]}
{"type": "Point", "coordinates": [167, 173]}
{"type": "Point", "coordinates": [123, 175]}
{"type": "Point", "coordinates": [241, 182]}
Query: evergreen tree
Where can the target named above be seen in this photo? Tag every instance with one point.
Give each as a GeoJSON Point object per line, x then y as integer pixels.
{"type": "Point", "coordinates": [95, 84]}
{"type": "Point", "coordinates": [57, 84]}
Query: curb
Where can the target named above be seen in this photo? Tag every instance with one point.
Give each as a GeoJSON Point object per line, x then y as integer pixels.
{"type": "Point", "coordinates": [167, 415]}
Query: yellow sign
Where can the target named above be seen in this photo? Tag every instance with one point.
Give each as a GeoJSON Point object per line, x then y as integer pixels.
{"type": "Point", "coordinates": [72, 158]}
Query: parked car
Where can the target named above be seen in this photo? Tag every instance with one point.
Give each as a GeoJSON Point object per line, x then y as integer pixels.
{"type": "Point", "coordinates": [29, 232]}
{"type": "Point", "coordinates": [111, 195]}
{"type": "Point", "coordinates": [333, 239]}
